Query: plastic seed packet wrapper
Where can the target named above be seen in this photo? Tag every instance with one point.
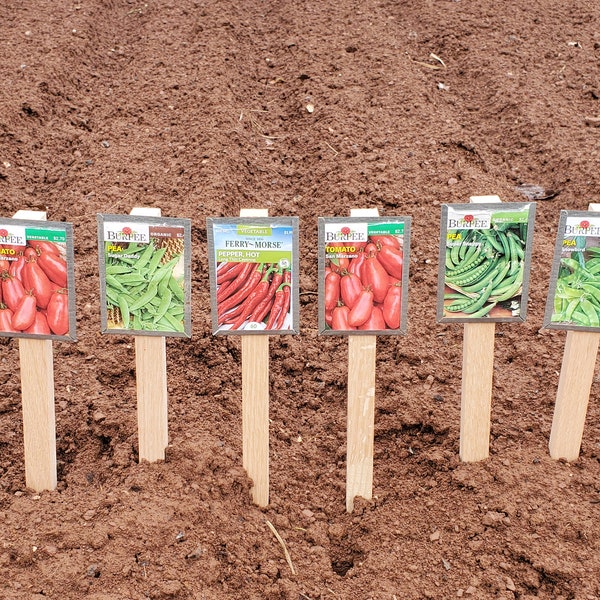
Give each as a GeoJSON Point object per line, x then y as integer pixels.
{"type": "Point", "coordinates": [485, 260]}
{"type": "Point", "coordinates": [145, 275]}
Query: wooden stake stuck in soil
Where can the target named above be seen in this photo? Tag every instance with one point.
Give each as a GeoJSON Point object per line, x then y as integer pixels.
{"type": "Point", "coordinates": [361, 407]}
{"type": "Point", "coordinates": [255, 404]}
{"type": "Point", "coordinates": [476, 391]}
{"type": "Point", "coordinates": [37, 393]}
{"type": "Point", "coordinates": [574, 384]}
{"type": "Point", "coordinates": [151, 385]}
{"type": "Point", "coordinates": [476, 386]}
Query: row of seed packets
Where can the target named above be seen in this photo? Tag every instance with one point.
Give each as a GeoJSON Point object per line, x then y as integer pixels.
{"type": "Point", "coordinates": [145, 273]}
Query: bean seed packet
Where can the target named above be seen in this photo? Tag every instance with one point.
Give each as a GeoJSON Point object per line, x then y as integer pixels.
{"type": "Point", "coordinates": [363, 275]}
{"type": "Point", "coordinates": [254, 267]}
{"type": "Point", "coordinates": [145, 275]}
{"type": "Point", "coordinates": [574, 296]}
{"type": "Point", "coordinates": [37, 283]}
{"type": "Point", "coordinates": [485, 260]}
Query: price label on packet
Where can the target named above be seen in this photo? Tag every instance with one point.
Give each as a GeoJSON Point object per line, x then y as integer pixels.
{"type": "Point", "coordinates": [145, 275]}
{"type": "Point", "coordinates": [363, 275]}
{"type": "Point", "coordinates": [37, 291]}
{"type": "Point", "coordinates": [253, 266]}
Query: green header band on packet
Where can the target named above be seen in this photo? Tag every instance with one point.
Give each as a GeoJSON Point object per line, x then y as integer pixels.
{"type": "Point", "coordinates": [511, 217]}
{"type": "Point", "coordinates": [254, 230]}
{"type": "Point", "coordinates": [257, 256]}
{"type": "Point", "coordinates": [386, 229]}
{"type": "Point", "coordinates": [46, 235]}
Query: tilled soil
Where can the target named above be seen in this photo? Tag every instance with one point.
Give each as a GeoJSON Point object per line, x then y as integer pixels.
{"type": "Point", "coordinates": [199, 108]}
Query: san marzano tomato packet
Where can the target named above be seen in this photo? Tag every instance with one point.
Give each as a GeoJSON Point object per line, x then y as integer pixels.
{"type": "Point", "coordinates": [363, 275]}
{"type": "Point", "coordinates": [37, 289]}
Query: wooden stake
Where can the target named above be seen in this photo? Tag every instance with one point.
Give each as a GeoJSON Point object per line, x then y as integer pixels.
{"type": "Point", "coordinates": [572, 397]}
{"type": "Point", "coordinates": [255, 404]}
{"type": "Point", "coordinates": [37, 392]}
{"type": "Point", "coordinates": [575, 382]}
{"type": "Point", "coordinates": [476, 387]}
{"type": "Point", "coordinates": [476, 391]}
{"type": "Point", "coordinates": [151, 384]}
{"type": "Point", "coordinates": [362, 351]}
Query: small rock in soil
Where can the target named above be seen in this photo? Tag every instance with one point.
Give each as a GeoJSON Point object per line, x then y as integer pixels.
{"type": "Point", "coordinates": [493, 519]}
{"type": "Point", "coordinates": [195, 554]}
{"type": "Point", "coordinates": [99, 416]}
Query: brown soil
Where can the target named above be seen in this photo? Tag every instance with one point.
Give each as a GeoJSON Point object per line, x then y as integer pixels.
{"type": "Point", "coordinates": [199, 107]}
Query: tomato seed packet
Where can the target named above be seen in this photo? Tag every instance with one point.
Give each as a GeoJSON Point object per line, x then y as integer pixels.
{"type": "Point", "coordinates": [485, 259]}
{"type": "Point", "coordinates": [254, 268]}
{"type": "Point", "coordinates": [145, 275]}
{"type": "Point", "coordinates": [363, 275]}
{"type": "Point", "coordinates": [37, 283]}
{"type": "Point", "coordinates": [574, 296]}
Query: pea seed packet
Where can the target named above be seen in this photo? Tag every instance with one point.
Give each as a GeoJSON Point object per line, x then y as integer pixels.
{"type": "Point", "coordinates": [145, 275]}
{"type": "Point", "coordinates": [254, 275]}
{"type": "Point", "coordinates": [37, 282]}
{"type": "Point", "coordinates": [485, 261]}
{"type": "Point", "coordinates": [573, 301]}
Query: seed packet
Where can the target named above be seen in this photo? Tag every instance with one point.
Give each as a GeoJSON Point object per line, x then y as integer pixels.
{"type": "Point", "coordinates": [574, 296]}
{"type": "Point", "coordinates": [37, 284]}
{"type": "Point", "coordinates": [363, 275]}
{"type": "Point", "coordinates": [145, 275]}
{"type": "Point", "coordinates": [254, 274]}
{"type": "Point", "coordinates": [485, 260]}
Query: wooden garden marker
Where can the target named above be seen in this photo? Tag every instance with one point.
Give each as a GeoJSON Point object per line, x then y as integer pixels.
{"type": "Point", "coordinates": [361, 407]}
{"type": "Point", "coordinates": [255, 404]}
{"type": "Point", "coordinates": [151, 383]}
{"type": "Point", "coordinates": [37, 393]}
{"type": "Point", "coordinates": [574, 384]}
{"type": "Point", "coordinates": [476, 387]}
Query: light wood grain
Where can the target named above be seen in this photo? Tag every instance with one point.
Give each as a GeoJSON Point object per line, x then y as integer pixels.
{"type": "Point", "coordinates": [361, 418]}
{"type": "Point", "coordinates": [476, 391]}
{"type": "Point", "coordinates": [30, 215]}
{"type": "Point", "coordinates": [37, 394]}
{"type": "Point", "coordinates": [575, 382]}
{"type": "Point", "coordinates": [255, 404]}
{"type": "Point", "coordinates": [151, 385]}
{"type": "Point", "coordinates": [39, 425]}
{"type": "Point", "coordinates": [362, 350]}
{"type": "Point", "coordinates": [152, 397]}
{"type": "Point", "coordinates": [574, 385]}
{"type": "Point", "coordinates": [255, 414]}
